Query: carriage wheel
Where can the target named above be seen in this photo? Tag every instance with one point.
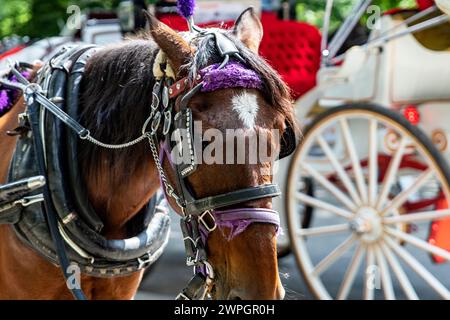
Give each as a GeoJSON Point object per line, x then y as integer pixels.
{"type": "Point", "coordinates": [364, 240]}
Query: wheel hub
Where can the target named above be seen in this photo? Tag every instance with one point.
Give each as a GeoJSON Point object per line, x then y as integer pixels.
{"type": "Point", "coordinates": [367, 224]}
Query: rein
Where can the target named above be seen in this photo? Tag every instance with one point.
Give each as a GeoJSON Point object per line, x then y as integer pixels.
{"type": "Point", "coordinates": [199, 216]}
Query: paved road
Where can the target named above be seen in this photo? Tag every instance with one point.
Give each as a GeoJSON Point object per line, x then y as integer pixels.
{"type": "Point", "coordinates": [169, 275]}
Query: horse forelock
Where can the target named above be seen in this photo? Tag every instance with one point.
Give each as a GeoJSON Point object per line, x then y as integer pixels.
{"type": "Point", "coordinates": [275, 91]}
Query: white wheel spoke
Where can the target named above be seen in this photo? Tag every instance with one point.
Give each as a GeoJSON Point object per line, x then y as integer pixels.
{"type": "Point", "coordinates": [401, 198]}
{"type": "Point", "coordinates": [419, 243]}
{"type": "Point", "coordinates": [329, 186]}
{"type": "Point", "coordinates": [318, 231]}
{"type": "Point", "coordinates": [391, 173]}
{"type": "Point", "coordinates": [350, 274]}
{"type": "Point", "coordinates": [323, 205]}
{"type": "Point", "coordinates": [418, 268]}
{"type": "Point", "coordinates": [369, 287]}
{"type": "Point", "coordinates": [360, 196]}
{"type": "Point", "coordinates": [417, 217]}
{"type": "Point", "coordinates": [386, 280]}
{"type": "Point", "coordinates": [356, 165]}
{"type": "Point", "coordinates": [333, 256]}
{"type": "Point", "coordinates": [373, 162]}
{"type": "Point", "coordinates": [339, 170]}
{"type": "Point", "coordinates": [406, 285]}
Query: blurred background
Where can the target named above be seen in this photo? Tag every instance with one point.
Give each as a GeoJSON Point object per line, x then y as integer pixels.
{"type": "Point", "coordinates": [42, 25]}
{"type": "Point", "coordinates": [43, 18]}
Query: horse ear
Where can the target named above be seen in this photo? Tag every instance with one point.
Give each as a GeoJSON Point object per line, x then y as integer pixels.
{"type": "Point", "coordinates": [249, 30]}
{"type": "Point", "coordinates": [171, 43]}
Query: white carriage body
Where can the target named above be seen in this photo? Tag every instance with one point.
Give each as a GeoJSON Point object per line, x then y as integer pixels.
{"type": "Point", "coordinates": [399, 73]}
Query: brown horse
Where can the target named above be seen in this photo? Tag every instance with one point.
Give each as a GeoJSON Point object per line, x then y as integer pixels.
{"type": "Point", "coordinates": [115, 97]}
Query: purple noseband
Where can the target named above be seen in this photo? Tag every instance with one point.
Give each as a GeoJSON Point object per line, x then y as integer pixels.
{"type": "Point", "coordinates": [238, 220]}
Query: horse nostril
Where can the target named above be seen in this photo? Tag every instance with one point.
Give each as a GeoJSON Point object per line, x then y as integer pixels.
{"type": "Point", "coordinates": [235, 298]}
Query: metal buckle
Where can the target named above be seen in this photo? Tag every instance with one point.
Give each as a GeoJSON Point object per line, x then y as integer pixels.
{"type": "Point", "coordinates": [28, 201]}
{"type": "Point", "coordinates": [194, 242]}
{"type": "Point", "coordinates": [167, 121]}
{"type": "Point", "coordinates": [144, 262]}
{"type": "Point", "coordinates": [209, 270]}
{"type": "Point", "coordinates": [192, 262]}
{"type": "Point", "coordinates": [22, 118]}
{"type": "Point", "coordinates": [155, 97]}
{"type": "Point", "coordinates": [197, 288]}
{"type": "Point", "coordinates": [182, 296]}
{"type": "Point", "coordinates": [200, 218]}
{"type": "Point", "coordinates": [30, 91]}
{"type": "Point", "coordinates": [165, 97]}
{"type": "Point", "coordinates": [155, 123]}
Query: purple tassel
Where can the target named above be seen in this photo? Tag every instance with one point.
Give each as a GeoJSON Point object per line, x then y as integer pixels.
{"type": "Point", "coordinates": [4, 101]}
{"type": "Point", "coordinates": [186, 8]}
{"type": "Point", "coordinates": [8, 96]}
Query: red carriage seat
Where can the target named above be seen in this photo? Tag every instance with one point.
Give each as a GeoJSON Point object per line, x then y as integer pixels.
{"type": "Point", "coordinates": [292, 48]}
{"type": "Point", "coordinates": [421, 5]}
{"type": "Point", "coordinates": [424, 4]}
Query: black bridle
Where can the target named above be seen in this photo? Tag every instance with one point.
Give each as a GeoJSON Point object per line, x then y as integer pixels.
{"type": "Point", "coordinates": [198, 216]}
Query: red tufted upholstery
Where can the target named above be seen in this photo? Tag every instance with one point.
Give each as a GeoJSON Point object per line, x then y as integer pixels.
{"type": "Point", "coordinates": [292, 48]}
{"type": "Point", "coordinates": [424, 4]}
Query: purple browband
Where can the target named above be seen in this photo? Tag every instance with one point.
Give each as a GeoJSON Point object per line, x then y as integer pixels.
{"type": "Point", "coordinates": [232, 75]}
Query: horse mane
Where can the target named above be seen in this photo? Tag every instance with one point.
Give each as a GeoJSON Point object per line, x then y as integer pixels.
{"type": "Point", "coordinates": [116, 97]}
{"type": "Point", "coordinates": [115, 101]}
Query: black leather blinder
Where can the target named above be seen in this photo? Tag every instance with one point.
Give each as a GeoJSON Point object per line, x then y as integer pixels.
{"type": "Point", "coordinates": [184, 155]}
{"type": "Point", "coordinates": [288, 142]}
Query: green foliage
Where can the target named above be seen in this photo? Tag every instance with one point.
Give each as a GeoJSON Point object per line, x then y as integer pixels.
{"type": "Point", "coordinates": [41, 18]}
{"type": "Point", "coordinates": [13, 14]}
{"type": "Point", "coordinates": [313, 11]}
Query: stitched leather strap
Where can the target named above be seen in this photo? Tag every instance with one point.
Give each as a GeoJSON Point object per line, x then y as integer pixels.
{"type": "Point", "coordinates": [231, 198]}
{"type": "Point", "coordinates": [181, 86]}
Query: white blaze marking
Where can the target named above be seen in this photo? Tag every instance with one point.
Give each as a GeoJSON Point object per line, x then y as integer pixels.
{"type": "Point", "coordinates": [246, 105]}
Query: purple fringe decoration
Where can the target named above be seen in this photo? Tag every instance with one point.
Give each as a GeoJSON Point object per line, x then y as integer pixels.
{"type": "Point", "coordinates": [4, 100]}
{"type": "Point", "coordinates": [235, 227]}
{"type": "Point", "coordinates": [186, 8]}
{"type": "Point", "coordinates": [9, 96]}
{"type": "Point", "coordinates": [238, 220]}
{"type": "Point", "coordinates": [233, 75]}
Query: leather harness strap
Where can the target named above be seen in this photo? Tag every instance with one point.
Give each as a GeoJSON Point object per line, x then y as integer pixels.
{"type": "Point", "coordinates": [233, 198]}
{"type": "Point", "coordinates": [181, 86]}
